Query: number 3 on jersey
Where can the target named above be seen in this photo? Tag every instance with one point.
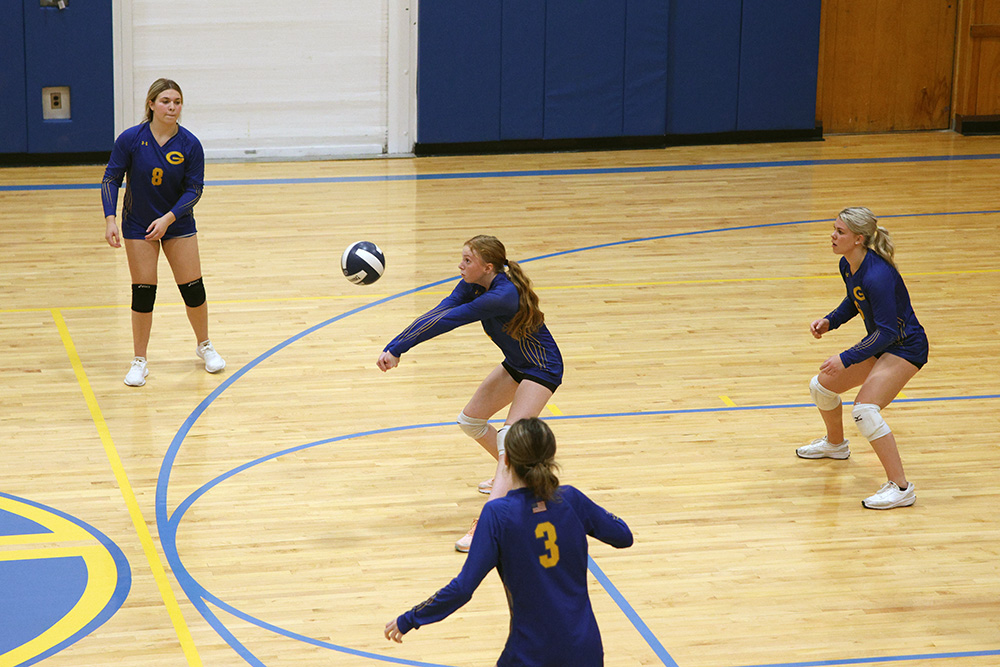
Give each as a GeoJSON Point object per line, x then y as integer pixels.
{"type": "Point", "coordinates": [546, 531]}
{"type": "Point", "coordinates": [157, 177]}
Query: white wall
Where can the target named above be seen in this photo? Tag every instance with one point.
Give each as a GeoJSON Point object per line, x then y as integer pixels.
{"type": "Point", "coordinates": [266, 79]}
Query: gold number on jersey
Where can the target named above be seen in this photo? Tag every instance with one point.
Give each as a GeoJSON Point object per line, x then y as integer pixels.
{"type": "Point", "coordinates": [546, 531]}
{"type": "Point", "coordinates": [157, 176]}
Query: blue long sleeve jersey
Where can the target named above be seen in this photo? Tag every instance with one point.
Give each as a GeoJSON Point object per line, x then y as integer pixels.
{"type": "Point", "coordinates": [536, 354]}
{"type": "Point", "coordinates": [540, 551]}
{"type": "Point", "coordinates": [877, 291]}
{"type": "Point", "coordinates": [160, 178]}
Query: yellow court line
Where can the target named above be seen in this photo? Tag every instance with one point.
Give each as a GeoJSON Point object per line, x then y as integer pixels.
{"type": "Point", "coordinates": [728, 401]}
{"type": "Point", "coordinates": [713, 281]}
{"type": "Point", "coordinates": [338, 297]}
{"type": "Point", "coordinates": [53, 552]}
{"type": "Point", "coordinates": [159, 574]}
{"type": "Point", "coordinates": [41, 538]}
{"type": "Point", "coordinates": [554, 410]}
{"type": "Point", "coordinates": [900, 395]}
{"type": "Point", "coordinates": [341, 297]}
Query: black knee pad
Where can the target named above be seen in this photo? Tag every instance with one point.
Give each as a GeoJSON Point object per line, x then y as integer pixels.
{"type": "Point", "coordinates": [143, 297]}
{"type": "Point", "coordinates": [193, 293]}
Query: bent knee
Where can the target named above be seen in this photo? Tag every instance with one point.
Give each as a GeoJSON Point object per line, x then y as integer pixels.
{"type": "Point", "coordinates": [824, 398]}
{"type": "Point", "coordinates": [868, 418]}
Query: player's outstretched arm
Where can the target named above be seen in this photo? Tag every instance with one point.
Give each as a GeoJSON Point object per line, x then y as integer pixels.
{"type": "Point", "coordinates": [387, 360]}
{"type": "Point", "coordinates": [392, 632]}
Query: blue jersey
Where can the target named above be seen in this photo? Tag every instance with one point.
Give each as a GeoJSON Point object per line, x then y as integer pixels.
{"type": "Point", "coordinates": [535, 354]}
{"type": "Point", "coordinates": [540, 551]}
{"type": "Point", "coordinates": [877, 291]}
{"type": "Point", "coordinates": [160, 179]}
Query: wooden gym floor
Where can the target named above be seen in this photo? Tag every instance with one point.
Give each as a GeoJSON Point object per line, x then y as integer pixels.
{"type": "Point", "coordinates": [280, 512]}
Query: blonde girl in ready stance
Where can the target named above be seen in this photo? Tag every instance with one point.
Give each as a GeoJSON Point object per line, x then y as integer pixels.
{"type": "Point", "coordinates": [891, 353]}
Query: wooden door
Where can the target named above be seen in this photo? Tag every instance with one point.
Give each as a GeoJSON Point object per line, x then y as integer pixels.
{"type": "Point", "coordinates": [886, 65]}
{"type": "Point", "coordinates": [978, 77]}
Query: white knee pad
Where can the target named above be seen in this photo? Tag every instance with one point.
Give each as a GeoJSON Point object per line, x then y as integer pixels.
{"type": "Point", "coordinates": [501, 436]}
{"type": "Point", "coordinates": [868, 418]}
{"type": "Point", "coordinates": [823, 397]}
{"type": "Point", "coordinates": [473, 427]}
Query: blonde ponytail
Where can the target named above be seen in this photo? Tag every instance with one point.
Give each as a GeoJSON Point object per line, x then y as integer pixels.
{"type": "Point", "coordinates": [881, 242]}
{"type": "Point", "coordinates": [862, 221]}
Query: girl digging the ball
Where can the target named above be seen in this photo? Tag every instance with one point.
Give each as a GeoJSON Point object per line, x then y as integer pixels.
{"type": "Point", "coordinates": [536, 537]}
{"type": "Point", "coordinates": [882, 363]}
{"type": "Point", "coordinates": [165, 168]}
{"type": "Point", "coordinates": [496, 292]}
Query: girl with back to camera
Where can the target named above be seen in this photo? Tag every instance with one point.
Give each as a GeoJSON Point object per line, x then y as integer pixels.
{"type": "Point", "coordinates": [498, 293]}
{"type": "Point", "coordinates": [164, 165]}
{"type": "Point", "coordinates": [891, 353]}
{"type": "Point", "coordinates": [536, 537]}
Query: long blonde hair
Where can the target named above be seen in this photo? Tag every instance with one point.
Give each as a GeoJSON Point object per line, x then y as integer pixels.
{"type": "Point", "coordinates": [528, 318]}
{"type": "Point", "coordinates": [155, 89]}
{"type": "Point", "coordinates": [531, 449]}
{"type": "Point", "coordinates": [861, 220]}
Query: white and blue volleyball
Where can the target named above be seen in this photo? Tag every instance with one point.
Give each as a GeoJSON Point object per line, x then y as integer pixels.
{"type": "Point", "coordinates": [363, 263]}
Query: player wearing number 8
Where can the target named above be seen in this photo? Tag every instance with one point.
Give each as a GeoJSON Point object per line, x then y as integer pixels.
{"type": "Point", "coordinates": [163, 165]}
{"type": "Point", "coordinates": [536, 537]}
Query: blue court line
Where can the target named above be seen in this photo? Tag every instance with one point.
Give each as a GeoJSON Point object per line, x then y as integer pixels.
{"type": "Point", "coordinates": [179, 512]}
{"type": "Point", "coordinates": [312, 640]}
{"type": "Point", "coordinates": [589, 171]}
{"type": "Point", "coordinates": [631, 614]}
{"type": "Point", "coordinates": [202, 595]}
{"type": "Point", "coordinates": [738, 228]}
{"type": "Point", "coordinates": [186, 504]}
{"type": "Point", "coordinates": [168, 524]}
{"type": "Point", "coordinates": [893, 658]}
{"type": "Point", "coordinates": [167, 529]}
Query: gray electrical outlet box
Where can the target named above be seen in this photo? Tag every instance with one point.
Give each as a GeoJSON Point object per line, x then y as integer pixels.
{"type": "Point", "coordinates": [55, 103]}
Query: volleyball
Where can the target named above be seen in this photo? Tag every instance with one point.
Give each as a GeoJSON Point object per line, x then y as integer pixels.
{"type": "Point", "coordinates": [363, 262]}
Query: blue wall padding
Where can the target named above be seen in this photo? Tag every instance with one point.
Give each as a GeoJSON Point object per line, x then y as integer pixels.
{"type": "Point", "coordinates": [645, 95]}
{"type": "Point", "coordinates": [779, 59]}
{"type": "Point", "coordinates": [584, 68]}
{"type": "Point", "coordinates": [522, 70]}
{"type": "Point", "coordinates": [13, 117]}
{"type": "Point", "coordinates": [459, 73]}
{"type": "Point", "coordinates": [71, 48]}
{"type": "Point", "coordinates": [703, 66]}
{"type": "Point", "coordinates": [580, 69]}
